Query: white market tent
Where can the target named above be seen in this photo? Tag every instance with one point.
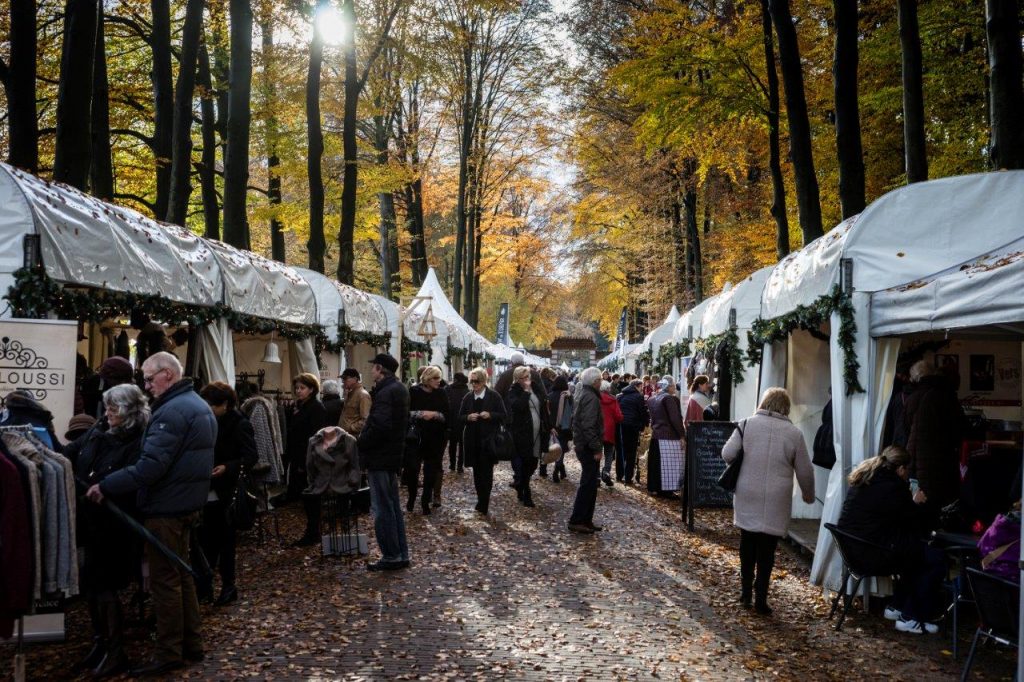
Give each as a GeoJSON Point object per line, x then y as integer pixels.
{"type": "Point", "coordinates": [654, 340]}
{"type": "Point", "coordinates": [688, 326]}
{"type": "Point", "coordinates": [745, 300]}
{"type": "Point", "coordinates": [908, 235]}
{"type": "Point", "coordinates": [620, 356]}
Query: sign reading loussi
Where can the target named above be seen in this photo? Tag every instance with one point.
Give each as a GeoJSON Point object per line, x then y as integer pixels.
{"type": "Point", "coordinates": [38, 356]}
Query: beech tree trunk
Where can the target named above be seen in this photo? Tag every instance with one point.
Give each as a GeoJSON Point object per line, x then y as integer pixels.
{"type": "Point", "coordinates": [414, 193]}
{"type": "Point", "coordinates": [316, 245]}
{"type": "Point", "coordinates": [208, 159]}
{"type": "Point", "coordinates": [184, 93]}
{"type": "Point", "coordinates": [386, 202]}
{"type": "Point", "coordinates": [778, 209]}
{"type": "Point", "coordinates": [19, 79]}
{"type": "Point", "coordinates": [236, 159]}
{"type": "Point", "coordinates": [681, 269]}
{"type": "Point", "coordinates": [101, 170]}
{"type": "Point", "coordinates": [468, 114]}
{"type": "Point", "coordinates": [74, 94]}
{"type": "Point", "coordinates": [163, 98]}
{"type": "Point", "coordinates": [1006, 99]}
{"type": "Point", "coordinates": [808, 199]}
{"type": "Point", "coordinates": [913, 93]}
{"type": "Point", "coordinates": [692, 232]}
{"type": "Point", "coordinates": [277, 246]}
{"type": "Point", "coordinates": [844, 79]}
{"type": "Point", "coordinates": [350, 150]}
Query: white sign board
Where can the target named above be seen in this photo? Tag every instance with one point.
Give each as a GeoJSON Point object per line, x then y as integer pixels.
{"type": "Point", "coordinates": [39, 356]}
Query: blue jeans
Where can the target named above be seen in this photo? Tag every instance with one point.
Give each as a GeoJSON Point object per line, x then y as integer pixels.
{"type": "Point", "coordinates": [388, 521]}
{"type": "Point", "coordinates": [586, 494]}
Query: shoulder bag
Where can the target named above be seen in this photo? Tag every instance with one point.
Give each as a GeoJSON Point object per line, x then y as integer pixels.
{"type": "Point", "coordinates": [727, 481]}
{"type": "Point", "coordinates": [499, 445]}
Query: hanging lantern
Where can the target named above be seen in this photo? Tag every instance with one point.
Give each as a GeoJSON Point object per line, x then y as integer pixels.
{"type": "Point", "coordinates": [428, 327]}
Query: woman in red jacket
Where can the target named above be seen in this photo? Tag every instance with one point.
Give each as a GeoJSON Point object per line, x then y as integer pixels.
{"type": "Point", "coordinates": [612, 414]}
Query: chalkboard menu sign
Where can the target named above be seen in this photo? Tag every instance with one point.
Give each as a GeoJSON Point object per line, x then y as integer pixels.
{"type": "Point", "coordinates": [704, 464]}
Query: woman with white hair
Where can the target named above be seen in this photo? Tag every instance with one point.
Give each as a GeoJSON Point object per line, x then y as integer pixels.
{"type": "Point", "coordinates": [665, 455]}
{"type": "Point", "coordinates": [530, 429]}
{"type": "Point", "coordinates": [112, 553]}
{"type": "Point", "coordinates": [587, 435]}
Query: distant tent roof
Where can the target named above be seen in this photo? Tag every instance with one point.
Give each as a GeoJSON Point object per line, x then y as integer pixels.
{"type": "Point", "coordinates": [744, 298]}
{"type": "Point", "coordinates": [444, 310]}
{"type": "Point", "coordinates": [259, 286]}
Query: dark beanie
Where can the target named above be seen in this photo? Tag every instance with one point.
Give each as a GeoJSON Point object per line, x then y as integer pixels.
{"type": "Point", "coordinates": [116, 369]}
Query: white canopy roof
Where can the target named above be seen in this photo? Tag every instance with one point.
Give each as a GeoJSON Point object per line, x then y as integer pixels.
{"type": "Point", "coordinates": [910, 233]}
{"type": "Point", "coordinates": [744, 298]}
{"type": "Point", "coordinates": [444, 310]}
{"type": "Point", "coordinates": [985, 292]}
{"type": "Point", "coordinates": [362, 312]}
{"type": "Point", "coordinates": [259, 286]}
{"type": "Point", "coordinates": [691, 318]}
{"type": "Point", "coordinates": [87, 242]}
{"type": "Point", "coordinates": [657, 337]}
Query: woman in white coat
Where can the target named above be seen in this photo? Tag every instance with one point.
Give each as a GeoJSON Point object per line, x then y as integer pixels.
{"type": "Point", "coordinates": [773, 450]}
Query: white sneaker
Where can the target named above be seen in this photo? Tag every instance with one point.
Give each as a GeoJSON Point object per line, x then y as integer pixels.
{"type": "Point", "coordinates": [892, 614]}
{"type": "Point", "coordinates": [911, 626]}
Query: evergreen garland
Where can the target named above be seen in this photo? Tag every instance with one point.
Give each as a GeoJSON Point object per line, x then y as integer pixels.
{"type": "Point", "coordinates": [731, 349]}
{"type": "Point", "coordinates": [809, 318]}
{"type": "Point", "coordinates": [645, 359]}
{"type": "Point", "coordinates": [452, 352]}
{"type": "Point", "coordinates": [35, 295]}
{"type": "Point", "coordinates": [670, 352]}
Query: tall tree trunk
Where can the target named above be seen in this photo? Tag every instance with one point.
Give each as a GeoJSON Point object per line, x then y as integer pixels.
{"type": "Point", "coordinates": [913, 92]}
{"type": "Point", "coordinates": [20, 87]}
{"type": "Point", "coordinates": [101, 170]}
{"type": "Point", "coordinates": [184, 94]}
{"type": "Point", "coordinates": [277, 246]}
{"type": "Point", "coordinates": [208, 160]}
{"type": "Point", "coordinates": [387, 206]}
{"type": "Point", "coordinates": [844, 78]}
{"type": "Point", "coordinates": [317, 243]}
{"type": "Point", "coordinates": [74, 94]}
{"type": "Point", "coordinates": [163, 98]}
{"type": "Point", "coordinates": [808, 199]}
{"type": "Point", "coordinates": [680, 266]}
{"type": "Point", "coordinates": [1006, 100]}
{"type": "Point", "coordinates": [692, 232]}
{"type": "Point", "coordinates": [221, 72]}
{"type": "Point", "coordinates": [350, 178]}
{"type": "Point", "coordinates": [410, 155]}
{"type": "Point", "coordinates": [236, 161]}
{"type": "Point", "coordinates": [778, 209]}
{"type": "Point", "coordinates": [465, 149]}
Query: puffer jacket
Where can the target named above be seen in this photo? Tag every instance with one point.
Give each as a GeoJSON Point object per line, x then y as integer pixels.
{"type": "Point", "coordinates": [172, 475]}
{"type": "Point", "coordinates": [587, 422]}
{"type": "Point", "coordinates": [634, 408]}
{"type": "Point", "coordinates": [382, 440]}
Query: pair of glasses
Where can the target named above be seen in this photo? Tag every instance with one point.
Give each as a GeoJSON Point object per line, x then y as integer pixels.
{"type": "Point", "coordinates": [475, 381]}
{"type": "Point", "coordinates": [152, 376]}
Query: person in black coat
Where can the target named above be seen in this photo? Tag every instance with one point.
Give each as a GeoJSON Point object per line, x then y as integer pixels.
{"type": "Point", "coordinates": [456, 391]}
{"type": "Point", "coordinates": [528, 419]}
{"type": "Point", "coordinates": [559, 396]}
{"type": "Point", "coordinates": [880, 508]}
{"type": "Point", "coordinates": [635, 419]}
{"type": "Point", "coordinates": [429, 410]}
{"type": "Point", "coordinates": [308, 415]}
{"type": "Point", "coordinates": [112, 553]}
{"type": "Point", "coordinates": [330, 396]}
{"type": "Point", "coordinates": [235, 450]}
{"type": "Point", "coordinates": [481, 413]}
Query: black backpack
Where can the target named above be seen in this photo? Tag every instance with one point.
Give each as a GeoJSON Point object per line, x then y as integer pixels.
{"type": "Point", "coordinates": [824, 448]}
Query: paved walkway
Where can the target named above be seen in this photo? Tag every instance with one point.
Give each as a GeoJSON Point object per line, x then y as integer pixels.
{"type": "Point", "coordinates": [518, 597]}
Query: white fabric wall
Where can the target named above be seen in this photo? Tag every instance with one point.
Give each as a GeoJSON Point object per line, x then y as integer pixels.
{"type": "Point", "coordinates": [302, 357]}
{"type": "Point", "coordinates": [216, 352]}
{"type": "Point", "coordinates": [359, 356]}
{"type": "Point", "coordinates": [808, 380]}
{"type": "Point", "coordinates": [744, 395]}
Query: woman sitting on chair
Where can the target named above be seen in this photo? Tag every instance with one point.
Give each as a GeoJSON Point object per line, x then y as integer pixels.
{"type": "Point", "coordinates": [881, 509]}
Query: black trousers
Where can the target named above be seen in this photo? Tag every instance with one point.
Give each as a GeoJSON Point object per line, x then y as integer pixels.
{"type": "Point", "coordinates": [429, 458]}
{"type": "Point", "coordinates": [483, 481]}
{"type": "Point", "coordinates": [456, 454]}
{"type": "Point", "coordinates": [630, 442]}
{"type": "Point", "coordinates": [757, 550]}
{"type": "Point", "coordinates": [218, 539]}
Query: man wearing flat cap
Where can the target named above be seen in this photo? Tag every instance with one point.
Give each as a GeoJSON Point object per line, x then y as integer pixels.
{"type": "Point", "coordinates": [381, 444]}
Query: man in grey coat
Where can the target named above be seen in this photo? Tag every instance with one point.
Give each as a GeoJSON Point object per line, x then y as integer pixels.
{"type": "Point", "coordinates": [172, 481]}
{"type": "Point", "coordinates": [587, 433]}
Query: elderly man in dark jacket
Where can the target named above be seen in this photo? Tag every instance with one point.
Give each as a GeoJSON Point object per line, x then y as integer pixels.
{"type": "Point", "coordinates": [172, 481]}
{"type": "Point", "coordinates": [635, 419]}
{"type": "Point", "coordinates": [587, 434]}
{"type": "Point", "coordinates": [381, 444]}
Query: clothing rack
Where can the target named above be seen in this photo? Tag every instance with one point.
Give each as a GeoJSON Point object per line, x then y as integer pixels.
{"type": "Point", "coordinates": [260, 376]}
{"type": "Point", "coordinates": [342, 523]}
{"type": "Point", "coordinates": [19, 649]}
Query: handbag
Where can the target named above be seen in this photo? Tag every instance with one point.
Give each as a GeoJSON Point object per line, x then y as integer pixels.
{"type": "Point", "coordinates": [553, 453]}
{"type": "Point", "coordinates": [727, 481]}
{"type": "Point", "coordinates": [499, 445]}
{"type": "Point", "coordinates": [242, 508]}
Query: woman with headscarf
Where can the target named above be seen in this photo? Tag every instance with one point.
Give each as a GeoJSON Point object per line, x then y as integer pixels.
{"type": "Point", "coordinates": [665, 456]}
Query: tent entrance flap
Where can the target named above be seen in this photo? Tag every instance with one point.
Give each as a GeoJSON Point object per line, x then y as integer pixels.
{"type": "Point", "coordinates": [808, 380]}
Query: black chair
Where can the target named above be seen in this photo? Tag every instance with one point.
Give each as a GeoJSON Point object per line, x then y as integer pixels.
{"type": "Point", "coordinates": [860, 560]}
{"type": "Point", "coordinates": [997, 601]}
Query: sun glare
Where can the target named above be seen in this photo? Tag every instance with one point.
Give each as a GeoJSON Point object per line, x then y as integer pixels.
{"type": "Point", "coordinates": [331, 25]}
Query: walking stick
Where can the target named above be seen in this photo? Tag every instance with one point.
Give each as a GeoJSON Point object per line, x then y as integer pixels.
{"type": "Point", "coordinates": [143, 532]}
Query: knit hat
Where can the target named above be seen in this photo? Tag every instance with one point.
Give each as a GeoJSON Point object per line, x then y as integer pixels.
{"type": "Point", "coordinates": [116, 369]}
{"type": "Point", "coordinates": [78, 425]}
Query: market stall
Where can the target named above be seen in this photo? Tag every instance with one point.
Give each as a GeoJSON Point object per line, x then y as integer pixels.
{"type": "Point", "coordinates": [652, 346]}
{"type": "Point", "coordinates": [678, 350]}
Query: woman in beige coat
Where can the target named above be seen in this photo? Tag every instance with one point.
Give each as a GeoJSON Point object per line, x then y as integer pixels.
{"type": "Point", "coordinates": [773, 450]}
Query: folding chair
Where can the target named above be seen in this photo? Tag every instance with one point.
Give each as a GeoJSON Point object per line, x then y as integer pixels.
{"type": "Point", "coordinates": [852, 550]}
{"type": "Point", "coordinates": [997, 601]}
